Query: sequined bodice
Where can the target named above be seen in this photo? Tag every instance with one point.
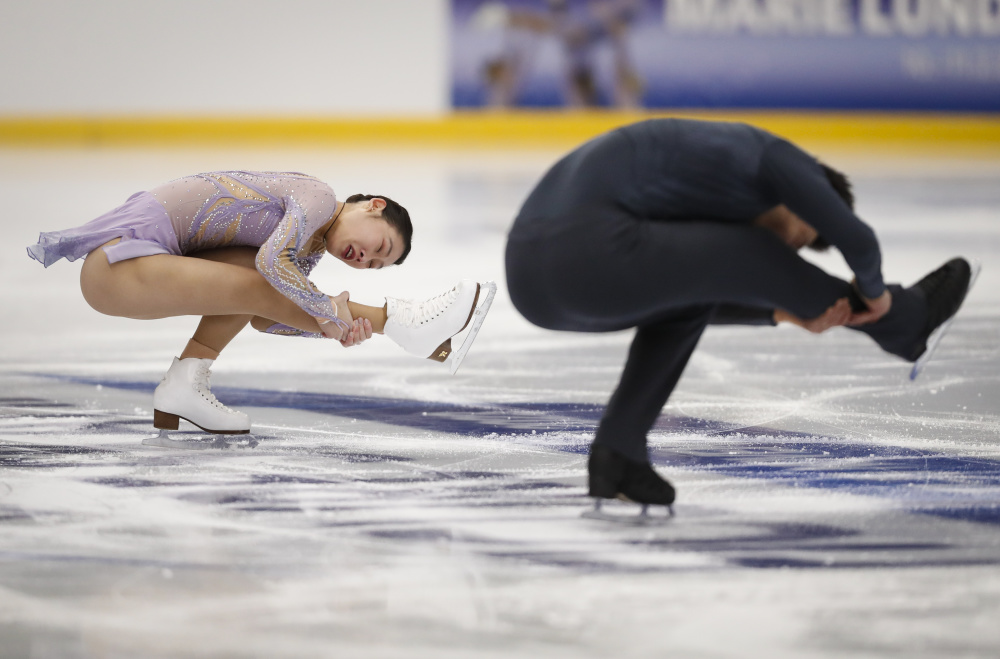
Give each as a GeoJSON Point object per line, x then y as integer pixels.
{"type": "Point", "coordinates": [278, 212]}
{"type": "Point", "coordinates": [223, 209]}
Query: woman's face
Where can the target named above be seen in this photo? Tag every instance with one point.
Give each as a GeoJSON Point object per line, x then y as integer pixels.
{"type": "Point", "coordinates": [361, 238]}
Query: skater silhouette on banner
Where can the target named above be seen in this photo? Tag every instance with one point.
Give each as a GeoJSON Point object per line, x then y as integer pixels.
{"type": "Point", "coordinates": [581, 29]}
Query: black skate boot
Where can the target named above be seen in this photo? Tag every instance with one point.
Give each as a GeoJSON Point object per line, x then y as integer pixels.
{"type": "Point", "coordinates": [613, 476]}
{"type": "Point", "coordinates": [945, 290]}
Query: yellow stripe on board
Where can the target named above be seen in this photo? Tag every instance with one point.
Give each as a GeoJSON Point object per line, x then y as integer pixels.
{"type": "Point", "coordinates": [494, 129]}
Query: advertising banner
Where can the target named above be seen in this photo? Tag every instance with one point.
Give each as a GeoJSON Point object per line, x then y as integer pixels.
{"type": "Point", "coordinates": [836, 54]}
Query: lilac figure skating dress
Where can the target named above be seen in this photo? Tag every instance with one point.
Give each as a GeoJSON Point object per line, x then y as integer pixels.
{"type": "Point", "coordinates": [277, 212]}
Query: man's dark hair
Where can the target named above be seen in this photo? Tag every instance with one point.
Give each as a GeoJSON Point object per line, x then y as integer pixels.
{"type": "Point", "coordinates": [393, 213]}
{"type": "Point", "coordinates": [819, 244]}
{"type": "Point", "coordinates": [840, 184]}
{"type": "Point", "coordinates": [843, 188]}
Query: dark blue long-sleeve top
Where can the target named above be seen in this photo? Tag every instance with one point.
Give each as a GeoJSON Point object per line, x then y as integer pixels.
{"type": "Point", "coordinates": [689, 169]}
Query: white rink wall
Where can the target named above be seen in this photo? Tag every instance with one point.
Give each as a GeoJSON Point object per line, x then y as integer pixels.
{"type": "Point", "coordinates": [224, 57]}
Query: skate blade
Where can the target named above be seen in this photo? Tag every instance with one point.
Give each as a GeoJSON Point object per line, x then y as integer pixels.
{"type": "Point", "coordinates": [479, 315]}
{"type": "Point", "coordinates": [642, 518]}
{"type": "Point", "coordinates": [203, 443]}
{"type": "Point", "coordinates": [164, 421]}
{"type": "Point", "coordinates": [935, 338]}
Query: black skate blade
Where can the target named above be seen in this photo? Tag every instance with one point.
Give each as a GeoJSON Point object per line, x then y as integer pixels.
{"type": "Point", "coordinates": [197, 441]}
{"type": "Point", "coordinates": [643, 518]}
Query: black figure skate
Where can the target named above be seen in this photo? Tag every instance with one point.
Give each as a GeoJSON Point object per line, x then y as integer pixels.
{"type": "Point", "coordinates": [945, 289]}
{"type": "Point", "coordinates": [613, 476]}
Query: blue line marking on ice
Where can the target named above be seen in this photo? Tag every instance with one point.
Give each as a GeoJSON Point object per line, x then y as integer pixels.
{"type": "Point", "coordinates": [793, 458]}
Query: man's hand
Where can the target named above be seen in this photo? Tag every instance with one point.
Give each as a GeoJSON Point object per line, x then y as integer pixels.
{"type": "Point", "coordinates": [876, 309]}
{"type": "Point", "coordinates": [835, 316]}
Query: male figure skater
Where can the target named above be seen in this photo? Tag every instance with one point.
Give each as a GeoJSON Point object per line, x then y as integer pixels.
{"type": "Point", "coordinates": [668, 225]}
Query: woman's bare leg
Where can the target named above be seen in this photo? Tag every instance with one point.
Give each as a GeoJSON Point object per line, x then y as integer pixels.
{"type": "Point", "coordinates": [375, 315]}
{"type": "Point", "coordinates": [245, 257]}
{"type": "Point", "coordinates": [215, 332]}
{"type": "Point", "coordinates": [164, 285]}
{"type": "Point", "coordinates": [222, 285]}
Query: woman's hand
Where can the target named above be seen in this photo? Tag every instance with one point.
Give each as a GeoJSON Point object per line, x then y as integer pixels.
{"type": "Point", "coordinates": [877, 308]}
{"type": "Point", "coordinates": [332, 330]}
{"type": "Point", "coordinates": [361, 330]}
{"type": "Point", "coordinates": [837, 315]}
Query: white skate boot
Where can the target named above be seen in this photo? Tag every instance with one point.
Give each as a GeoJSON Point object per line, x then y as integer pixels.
{"type": "Point", "coordinates": [425, 329]}
{"type": "Point", "coordinates": [184, 393]}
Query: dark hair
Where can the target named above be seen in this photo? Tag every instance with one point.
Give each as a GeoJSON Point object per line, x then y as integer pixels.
{"type": "Point", "coordinates": [397, 217]}
{"type": "Point", "coordinates": [842, 186]}
{"type": "Point", "coordinates": [819, 244]}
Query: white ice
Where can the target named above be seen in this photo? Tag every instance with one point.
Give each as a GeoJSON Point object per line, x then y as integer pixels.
{"type": "Point", "coordinates": [828, 507]}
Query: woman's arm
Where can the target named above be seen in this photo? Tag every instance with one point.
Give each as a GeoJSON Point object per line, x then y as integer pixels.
{"type": "Point", "coordinates": [361, 327]}
{"type": "Point", "coordinates": [283, 263]}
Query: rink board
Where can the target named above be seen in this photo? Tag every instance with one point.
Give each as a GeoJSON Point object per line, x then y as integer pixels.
{"type": "Point", "coordinates": [924, 132]}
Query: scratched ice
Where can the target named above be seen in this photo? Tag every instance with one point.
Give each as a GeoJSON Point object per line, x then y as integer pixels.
{"type": "Point", "coordinates": [828, 507]}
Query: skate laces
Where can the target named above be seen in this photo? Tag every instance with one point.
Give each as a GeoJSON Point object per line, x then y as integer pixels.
{"type": "Point", "coordinates": [202, 386]}
{"type": "Point", "coordinates": [411, 314]}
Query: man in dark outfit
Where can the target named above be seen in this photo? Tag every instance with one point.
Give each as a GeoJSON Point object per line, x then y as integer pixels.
{"type": "Point", "coordinates": [669, 225]}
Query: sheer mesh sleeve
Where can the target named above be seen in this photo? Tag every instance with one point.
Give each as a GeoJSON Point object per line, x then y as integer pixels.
{"type": "Point", "coordinates": [285, 330]}
{"type": "Point", "coordinates": [308, 262]}
{"type": "Point", "coordinates": [282, 259]}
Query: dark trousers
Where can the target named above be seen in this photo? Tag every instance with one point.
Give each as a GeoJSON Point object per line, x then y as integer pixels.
{"type": "Point", "coordinates": [597, 267]}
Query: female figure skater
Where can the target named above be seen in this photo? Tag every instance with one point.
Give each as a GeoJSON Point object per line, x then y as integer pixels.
{"type": "Point", "coordinates": [669, 225]}
{"type": "Point", "coordinates": [236, 248]}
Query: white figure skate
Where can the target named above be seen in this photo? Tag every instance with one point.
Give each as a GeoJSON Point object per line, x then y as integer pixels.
{"type": "Point", "coordinates": [425, 329]}
{"type": "Point", "coordinates": [185, 393]}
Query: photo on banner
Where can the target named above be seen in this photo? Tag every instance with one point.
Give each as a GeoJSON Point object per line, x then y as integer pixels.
{"type": "Point", "coordinates": [836, 54]}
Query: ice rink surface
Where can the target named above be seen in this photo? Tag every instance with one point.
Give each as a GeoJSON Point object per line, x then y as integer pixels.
{"type": "Point", "coordinates": [828, 507]}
